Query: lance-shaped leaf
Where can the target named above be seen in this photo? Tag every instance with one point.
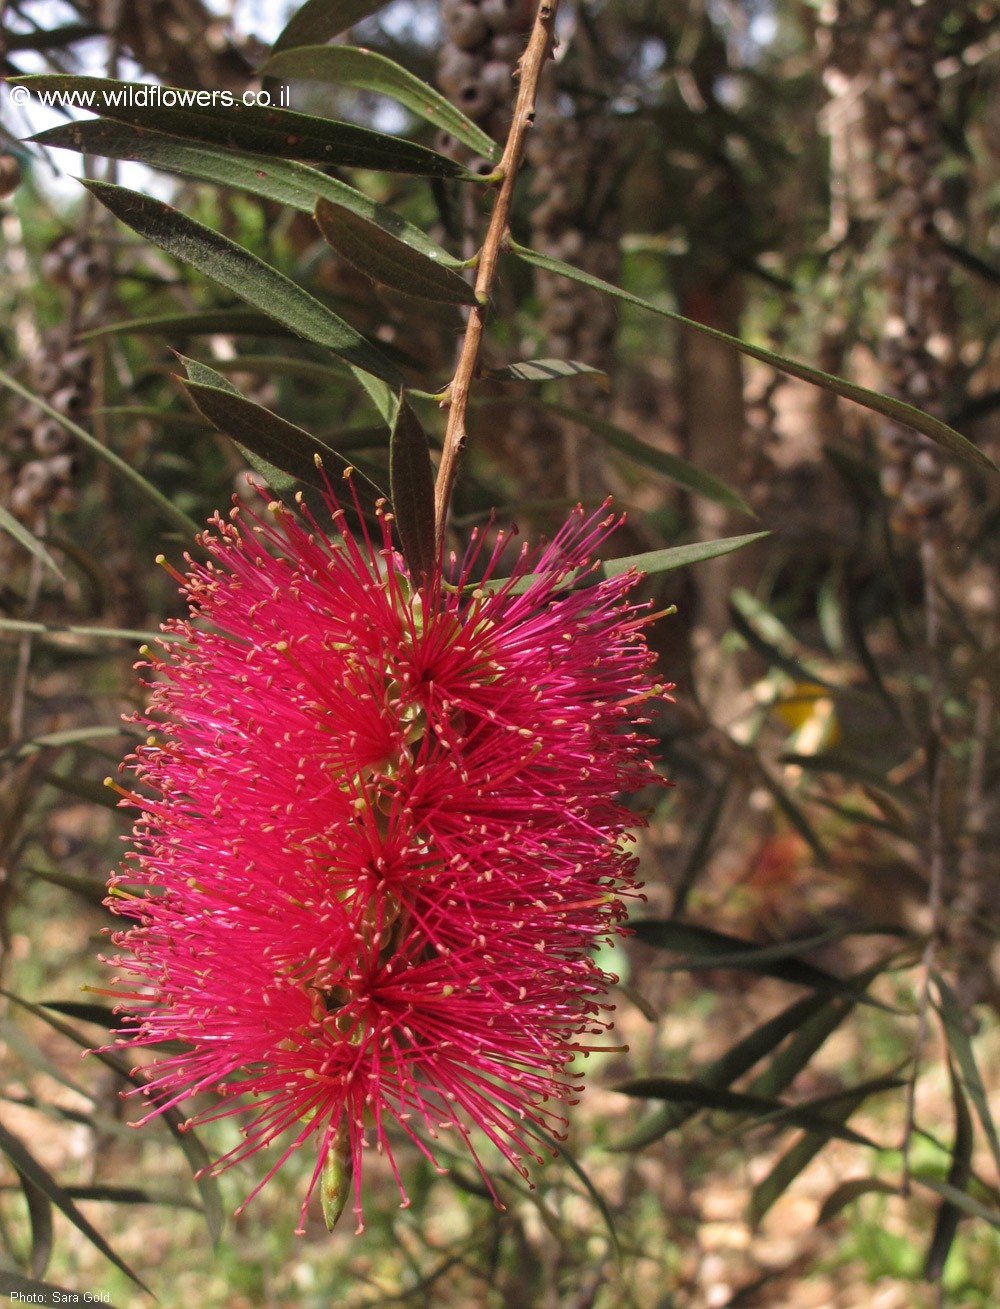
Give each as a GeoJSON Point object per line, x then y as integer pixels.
{"type": "Point", "coordinates": [195, 1153]}
{"type": "Point", "coordinates": [671, 466]}
{"type": "Point", "coordinates": [284, 447]}
{"type": "Point", "coordinates": [703, 947]}
{"type": "Point", "coordinates": [39, 1208]}
{"type": "Point", "coordinates": [13, 527]}
{"type": "Point", "coordinates": [886, 405]}
{"type": "Point", "coordinates": [380, 256]}
{"type": "Point", "coordinates": [244, 274]}
{"type": "Point", "coordinates": [654, 561]}
{"type": "Point", "coordinates": [769, 638]}
{"type": "Point", "coordinates": [284, 180]}
{"type": "Point", "coordinates": [203, 322]}
{"type": "Point", "coordinates": [959, 1198]}
{"type": "Point", "coordinates": [676, 1090]}
{"type": "Point", "coordinates": [959, 1172]}
{"type": "Point", "coordinates": [793, 1161]}
{"type": "Point", "coordinates": [411, 477]}
{"type": "Point", "coordinates": [271, 131]}
{"type": "Point", "coordinates": [59, 629]}
{"type": "Point", "coordinates": [542, 370]}
{"type": "Point", "coordinates": [960, 1045]}
{"type": "Point", "coordinates": [319, 20]}
{"type": "Point", "coordinates": [721, 1072]}
{"type": "Point", "coordinates": [39, 1176]}
{"type": "Point", "coordinates": [347, 65]}
{"type": "Point", "coordinates": [847, 1192]}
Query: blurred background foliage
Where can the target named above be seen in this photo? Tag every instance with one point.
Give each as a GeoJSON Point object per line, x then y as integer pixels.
{"type": "Point", "coordinates": [805, 1114]}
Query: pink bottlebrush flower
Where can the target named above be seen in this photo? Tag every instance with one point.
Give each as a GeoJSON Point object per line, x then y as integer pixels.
{"type": "Point", "coordinates": [384, 839]}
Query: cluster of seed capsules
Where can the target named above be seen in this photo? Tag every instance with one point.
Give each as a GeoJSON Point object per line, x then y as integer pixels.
{"type": "Point", "coordinates": [39, 467]}
{"type": "Point", "coordinates": [484, 40]}
{"type": "Point", "coordinates": [918, 348]}
{"type": "Point", "coordinates": [574, 221]}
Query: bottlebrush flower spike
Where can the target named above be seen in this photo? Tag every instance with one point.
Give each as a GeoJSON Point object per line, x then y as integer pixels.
{"type": "Point", "coordinates": [382, 839]}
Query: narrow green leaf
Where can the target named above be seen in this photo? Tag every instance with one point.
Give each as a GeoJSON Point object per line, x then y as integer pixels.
{"type": "Point", "coordinates": [146, 489]}
{"type": "Point", "coordinates": [242, 273]}
{"type": "Point", "coordinates": [348, 65]}
{"type": "Point", "coordinates": [542, 370]}
{"type": "Point", "coordinates": [18, 625]}
{"type": "Point", "coordinates": [171, 418]}
{"type": "Point", "coordinates": [192, 1148]}
{"type": "Point", "coordinates": [58, 740]}
{"type": "Point", "coordinates": [40, 1220]}
{"type": "Point", "coordinates": [595, 1195]}
{"type": "Point", "coordinates": [705, 948]}
{"type": "Point", "coordinates": [671, 466]}
{"type": "Point", "coordinates": [654, 561]}
{"type": "Point", "coordinates": [130, 1195]}
{"type": "Point", "coordinates": [29, 1167]}
{"type": "Point", "coordinates": [14, 1285]}
{"type": "Point", "coordinates": [887, 405]}
{"type": "Point", "coordinates": [235, 322]}
{"type": "Point", "coordinates": [960, 1045]}
{"type": "Point", "coordinates": [750, 618]}
{"type": "Point", "coordinates": [847, 1192]}
{"type": "Point", "coordinates": [412, 482]}
{"type": "Point", "coordinates": [390, 262]}
{"type": "Point", "coordinates": [279, 132]}
{"type": "Point", "coordinates": [791, 1163]}
{"type": "Point", "coordinates": [100, 1014]}
{"type": "Point", "coordinates": [819, 1106]}
{"type": "Point", "coordinates": [319, 20]}
{"type": "Point", "coordinates": [810, 1037]}
{"type": "Point", "coordinates": [959, 1172]}
{"type": "Point", "coordinates": [959, 1198]}
{"type": "Point", "coordinates": [854, 770]}
{"type": "Point", "coordinates": [795, 815]}
{"type": "Point", "coordinates": [13, 527]}
{"type": "Point", "coordinates": [87, 888]}
{"type": "Point", "coordinates": [328, 374]}
{"type": "Point", "coordinates": [706, 1097]}
{"type": "Point", "coordinates": [282, 445]}
{"type": "Point", "coordinates": [726, 1069]}
{"type": "Point", "coordinates": [283, 180]}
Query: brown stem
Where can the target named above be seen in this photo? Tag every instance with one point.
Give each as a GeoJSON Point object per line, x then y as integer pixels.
{"type": "Point", "coordinates": [530, 70]}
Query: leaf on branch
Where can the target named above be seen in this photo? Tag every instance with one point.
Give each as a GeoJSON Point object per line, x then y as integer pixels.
{"type": "Point", "coordinates": [654, 561]}
{"type": "Point", "coordinates": [847, 1192]}
{"type": "Point", "coordinates": [379, 255]}
{"type": "Point", "coordinates": [283, 180]}
{"type": "Point", "coordinates": [411, 477]}
{"type": "Point", "coordinates": [671, 466]}
{"type": "Point", "coordinates": [244, 274]}
{"type": "Point", "coordinates": [15, 528]}
{"type": "Point", "coordinates": [959, 1173]}
{"type": "Point", "coordinates": [319, 20]}
{"type": "Point", "coordinates": [288, 452]}
{"type": "Point", "coordinates": [28, 1167]}
{"type": "Point", "coordinates": [705, 1097]}
{"type": "Point", "coordinates": [347, 65]}
{"type": "Point", "coordinates": [542, 370]}
{"type": "Point", "coordinates": [898, 410]}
